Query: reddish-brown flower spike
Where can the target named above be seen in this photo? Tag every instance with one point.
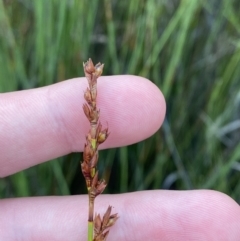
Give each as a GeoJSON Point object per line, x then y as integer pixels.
{"type": "Point", "coordinates": [87, 111]}
{"type": "Point", "coordinates": [106, 217]}
{"type": "Point", "coordinates": [109, 219]}
{"type": "Point", "coordinates": [88, 138]}
{"type": "Point", "coordinates": [87, 154]}
{"type": "Point", "coordinates": [95, 180]}
{"type": "Point", "coordinates": [102, 136]}
{"type": "Point", "coordinates": [86, 173]}
{"type": "Point", "coordinates": [94, 160]}
{"type": "Point", "coordinates": [103, 236]}
{"type": "Point", "coordinates": [112, 220]}
{"type": "Point", "coordinates": [85, 170]}
{"type": "Point", "coordinates": [99, 233]}
{"type": "Point", "coordinates": [89, 67]}
{"type": "Point", "coordinates": [94, 116]}
{"type": "Point", "coordinates": [98, 69]}
{"type": "Point", "coordinates": [97, 225]}
{"type": "Point", "coordinates": [94, 92]}
{"type": "Point", "coordinates": [99, 188]}
{"type": "Point", "coordinates": [87, 96]}
{"type": "Point", "coordinates": [99, 128]}
{"type": "Point", "coordinates": [94, 137]}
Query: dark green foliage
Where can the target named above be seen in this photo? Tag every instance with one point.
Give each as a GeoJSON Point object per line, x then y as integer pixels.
{"type": "Point", "coordinates": [189, 48]}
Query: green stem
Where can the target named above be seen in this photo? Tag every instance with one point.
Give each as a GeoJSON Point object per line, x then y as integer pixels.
{"type": "Point", "coordinates": [90, 231]}
{"type": "Point", "coordinates": [90, 215]}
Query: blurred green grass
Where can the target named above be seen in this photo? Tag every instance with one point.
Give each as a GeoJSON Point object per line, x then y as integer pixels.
{"type": "Point", "coordinates": [189, 48]}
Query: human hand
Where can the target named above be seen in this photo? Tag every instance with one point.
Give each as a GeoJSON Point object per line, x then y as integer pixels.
{"type": "Point", "coordinates": [51, 123]}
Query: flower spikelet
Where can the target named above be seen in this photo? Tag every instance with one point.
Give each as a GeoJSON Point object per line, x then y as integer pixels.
{"type": "Point", "coordinates": [101, 225]}
{"type": "Point", "coordinates": [95, 136]}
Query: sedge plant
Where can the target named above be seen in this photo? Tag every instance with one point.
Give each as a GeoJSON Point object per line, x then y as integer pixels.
{"type": "Point", "coordinates": [98, 228]}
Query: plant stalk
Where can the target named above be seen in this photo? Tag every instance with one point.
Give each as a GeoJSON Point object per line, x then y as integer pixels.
{"type": "Point", "coordinates": [97, 228]}
{"type": "Point", "coordinates": [90, 215]}
{"type": "Point", "coordinates": [90, 231]}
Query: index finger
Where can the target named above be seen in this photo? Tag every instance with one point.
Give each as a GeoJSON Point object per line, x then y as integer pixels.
{"type": "Point", "coordinates": [41, 124]}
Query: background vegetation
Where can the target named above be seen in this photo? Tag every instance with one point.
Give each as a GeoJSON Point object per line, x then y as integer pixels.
{"type": "Point", "coordinates": [189, 48]}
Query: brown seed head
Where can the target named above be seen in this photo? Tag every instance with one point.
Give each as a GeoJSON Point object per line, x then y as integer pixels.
{"type": "Point", "coordinates": [97, 225]}
{"type": "Point", "coordinates": [105, 235]}
{"type": "Point", "coordinates": [98, 69]}
{"type": "Point", "coordinates": [112, 220]}
{"type": "Point", "coordinates": [86, 173]}
{"type": "Point", "coordinates": [94, 93]}
{"type": "Point", "coordinates": [100, 186]}
{"type": "Point", "coordinates": [87, 111]}
{"type": "Point", "coordinates": [99, 128]}
{"type": "Point", "coordinates": [92, 115]}
{"type": "Point", "coordinates": [94, 160]}
{"type": "Point", "coordinates": [101, 226]}
{"type": "Point", "coordinates": [89, 67]}
{"type": "Point", "coordinates": [108, 219]}
{"type": "Point", "coordinates": [101, 236]}
{"type": "Point", "coordinates": [102, 136]}
{"type": "Point", "coordinates": [95, 180]}
{"type": "Point", "coordinates": [87, 154]}
{"type": "Point", "coordinates": [95, 137]}
{"type": "Point", "coordinates": [88, 97]}
{"type": "Point", "coordinates": [88, 138]}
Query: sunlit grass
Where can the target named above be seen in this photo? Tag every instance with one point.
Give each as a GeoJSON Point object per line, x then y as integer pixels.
{"type": "Point", "coordinates": [190, 49]}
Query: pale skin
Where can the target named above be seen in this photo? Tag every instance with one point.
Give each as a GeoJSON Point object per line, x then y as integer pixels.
{"type": "Point", "coordinates": [41, 124]}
